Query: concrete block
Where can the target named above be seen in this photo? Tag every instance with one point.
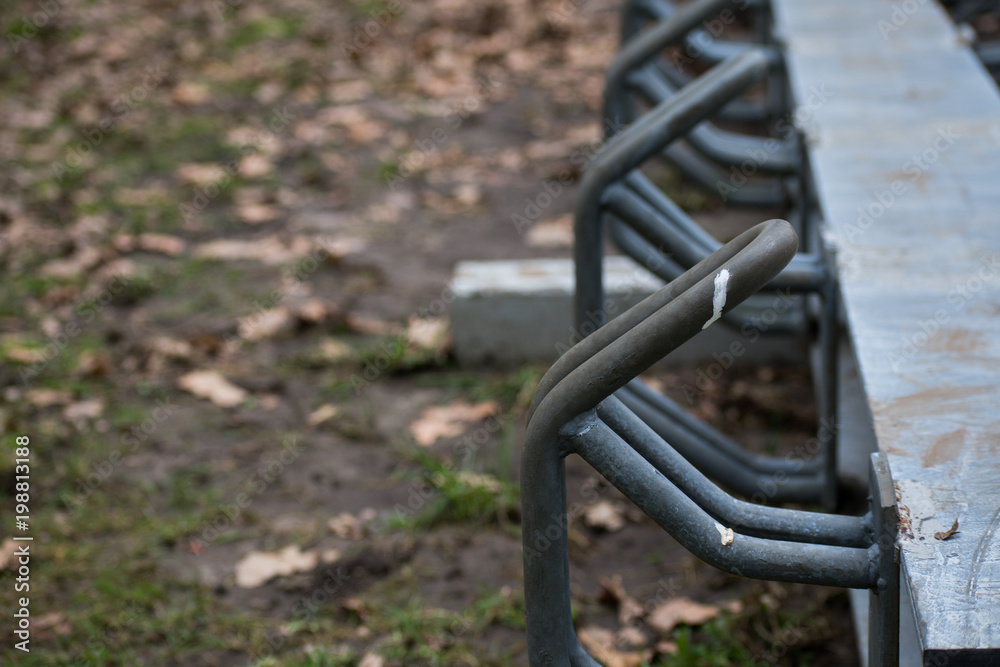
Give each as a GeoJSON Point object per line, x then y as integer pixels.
{"type": "Point", "coordinates": [512, 312]}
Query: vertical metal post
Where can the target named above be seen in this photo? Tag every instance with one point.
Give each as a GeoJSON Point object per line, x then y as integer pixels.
{"type": "Point", "coordinates": [883, 598]}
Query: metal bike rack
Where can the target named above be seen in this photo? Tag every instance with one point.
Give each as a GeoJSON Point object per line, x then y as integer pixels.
{"type": "Point", "coordinates": [574, 411]}
{"type": "Point", "coordinates": [660, 235]}
{"type": "Point", "coordinates": [697, 41]}
{"type": "Point", "coordinates": [640, 72]}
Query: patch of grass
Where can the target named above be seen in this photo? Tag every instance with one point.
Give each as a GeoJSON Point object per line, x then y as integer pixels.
{"type": "Point", "coordinates": [264, 29]}
{"type": "Point", "coordinates": [459, 496]}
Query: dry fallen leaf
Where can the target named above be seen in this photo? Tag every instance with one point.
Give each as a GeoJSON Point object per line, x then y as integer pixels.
{"type": "Point", "coordinates": [88, 409]}
{"type": "Point", "coordinates": [321, 414]}
{"type": "Point", "coordinates": [256, 213]}
{"type": "Point", "coordinates": [269, 250]}
{"type": "Point", "coordinates": [201, 174]}
{"type": "Point", "coordinates": [265, 324]}
{"type": "Point", "coordinates": [44, 398]}
{"type": "Point", "coordinates": [606, 515]}
{"type": "Point", "coordinates": [371, 660]}
{"type": "Point", "coordinates": [600, 643]}
{"type": "Point", "coordinates": [258, 567]}
{"type": "Point", "coordinates": [948, 533]}
{"type": "Point", "coordinates": [428, 333]}
{"type": "Point", "coordinates": [447, 421]}
{"type": "Point", "coordinates": [80, 262]}
{"type": "Point", "coordinates": [186, 93]}
{"type": "Point", "coordinates": [25, 355]}
{"type": "Point", "coordinates": [162, 243]}
{"type": "Point", "coordinates": [55, 622]}
{"type": "Point", "coordinates": [7, 550]}
{"type": "Point", "coordinates": [170, 347]}
{"type": "Point", "coordinates": [678, 611]}
{"type": "Point", "coordinates": [333, 350]}
{"type": "Point", "coordinates": [613, 592]}
{"type": "Point", "coordinates": [556, 233]}
{"type": "Point", "coordinates": [346, 526]}
{"type": "Point", "coordinates": [213, 386]}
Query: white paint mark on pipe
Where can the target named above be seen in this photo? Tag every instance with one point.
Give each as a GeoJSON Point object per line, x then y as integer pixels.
{"type": "Point", "coordinates": [719, 298]}
{"type": "Point", "coordinates": [726, 533]}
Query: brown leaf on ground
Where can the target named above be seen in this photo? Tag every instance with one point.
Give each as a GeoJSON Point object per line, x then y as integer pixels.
{"type": "Point", "coordinates": [605, 515]}
{"type": "Point", "coordinates": [613, 592]}
{"type": "Point", "coordinates": [170, 347]}
{"type": "Point", "coordinates": [448, 421]}
{"type": "Point", "coordinates": [269, 250]}
{"type": "Point", "coordinates": [213, 386]}
{"type": "Point", "coordinates": [600, 643]}
{"type": "Point", "coordinates": [322, 414]}
{"type": "Point", "coordinates": [371, 660]}
{"type": "Point", "coordinates": [346, 526]}
{"type": "Point", "coordinates": [265, 324]}
{"type": "Point", "coordinates": [680, 611]}
{"type": "Point", "coordinates": [91, 408]}
{"type": "Point", "coordinates": [92, 362]}
{"type": "Point", "coordinates": [428, 333]}
{"type": "Point", "coordinates": [371, 325]}
{"type": "Point", "coordinates": [258, 567]}
{"type": "Point", "coordinates": [25, 355]}
{"type": "Point", "coordinates": [254, 214]}
{"type": "Point", "coordinates": [200, 174]}
{"type": "Point", "coordinates": [80, 262]}
{"type": "Point", "coordinates": [7, 550]}
{"type": "Point", "coordinates": [189, 94]}
{"type": "Point", "coordinates": [947, 533]}
{"type": "Point", "coordinates": [556, 233]}
{"type": "Point", "coordinates": [55, 623]}
{"type": "Point", "coordinates": [44, 398]}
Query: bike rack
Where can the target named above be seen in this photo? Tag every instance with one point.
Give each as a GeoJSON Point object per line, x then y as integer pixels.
{"type": "Point", "coordinates": [635, 13]}
{"type": "Point", "coordinates": [639, 71]}
{"type": "Point", "coordinates": [659, 235]}
{"type": "Point", "coordinates": [575, 412]}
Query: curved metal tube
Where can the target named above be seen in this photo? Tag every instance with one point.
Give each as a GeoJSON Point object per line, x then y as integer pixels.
{"type": "Point", "coordinates": [634, 68]}
{"type": "Point", "coordinates": [603, 363]}
{"type": "Point", "coordinates": [623, 152]}
{"type": "Point", "coordinates": [634, 14]}
{"type": "Point", "coordinates": [743, 517]}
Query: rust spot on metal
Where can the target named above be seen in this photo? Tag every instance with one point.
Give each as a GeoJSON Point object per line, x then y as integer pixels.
{"type": "Point", "coordinates": [959, 341]}
{"type": "Point", "coordinates": [946, 448]}
{"type": "Point", "coordinates": [903, 414]}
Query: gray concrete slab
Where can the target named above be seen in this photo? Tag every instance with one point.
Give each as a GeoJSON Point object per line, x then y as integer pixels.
{"type": "Point", "coordinates": [512, 312]}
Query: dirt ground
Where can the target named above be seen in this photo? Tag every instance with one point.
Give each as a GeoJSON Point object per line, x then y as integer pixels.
{"type": "Point", "coordinates": [226, 235]}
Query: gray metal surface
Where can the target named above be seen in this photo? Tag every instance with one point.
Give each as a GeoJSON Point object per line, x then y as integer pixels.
{"type": "Point", "coordinates": [906, 157]}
